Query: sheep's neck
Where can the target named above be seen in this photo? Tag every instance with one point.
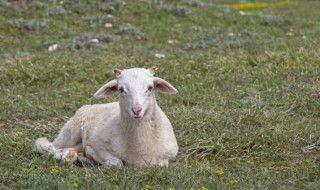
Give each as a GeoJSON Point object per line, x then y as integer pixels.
{"type": "Point", "coordinates": [142, 131]}
{"type": "Point", "coordinates": [132, 125]}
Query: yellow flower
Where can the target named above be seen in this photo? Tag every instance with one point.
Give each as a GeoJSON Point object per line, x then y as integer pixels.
{"type": "Point", "coordinates": [75, 83]}
{"type": "Point", "coordinates": [220, 172]}
{"type": "Point", "coordinates": [308, 161]}
{"type": "Point", "coordinates": [233, 181]}
{"type": "Point", "coordinates": [29, 170]}
{"type": "Point", "coordinates": [54, 170]}
{"type": "Point", "coordinates": [263, 5]}
{"type": "Point", "coordinates": [75, 185]}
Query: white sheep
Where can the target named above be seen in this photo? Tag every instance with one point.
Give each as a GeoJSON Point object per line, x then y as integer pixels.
{"type": "Point", "coordinates": [134, 131]}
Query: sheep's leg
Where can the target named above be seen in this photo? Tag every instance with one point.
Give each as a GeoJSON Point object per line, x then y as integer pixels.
{"type": "Point", "coordinates": [68, 154]}
{"type": "Point", "coordinates": [85, 160]}
{"type": "Point", "coordinates": [44, 146]}
{"type": "Point", "coordinates": [65, 146]}
{"type": "Point", "coordinates": [69, 136]}
{"type": "Point", "coordinates": [163, 163]}
{"type": "Point", "coordinates": [105, 159]}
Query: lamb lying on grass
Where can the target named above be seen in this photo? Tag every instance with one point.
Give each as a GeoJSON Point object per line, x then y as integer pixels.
{"type": "Point", "coordinates": [134, 131]}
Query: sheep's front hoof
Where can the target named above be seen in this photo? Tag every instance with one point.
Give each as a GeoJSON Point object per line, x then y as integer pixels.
{"type": "Point", "coordinates": [70, 155]}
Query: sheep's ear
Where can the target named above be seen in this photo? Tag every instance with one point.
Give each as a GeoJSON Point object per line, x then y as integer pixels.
{"type": "Point", "coordinates": [107, 89]}
{"type": "Point", "coordinates": [163, 86]}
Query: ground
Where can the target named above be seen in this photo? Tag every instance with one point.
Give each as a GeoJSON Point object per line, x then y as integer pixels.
{"type": "Point", "coordinates": [248, 82]}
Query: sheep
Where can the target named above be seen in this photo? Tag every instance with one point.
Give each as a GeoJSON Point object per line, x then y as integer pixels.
{"type": "Point", "coordinates": [133, 131]}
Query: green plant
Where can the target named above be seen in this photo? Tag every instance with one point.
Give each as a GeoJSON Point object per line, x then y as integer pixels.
{"type": "Point", "coordinates": [248, 98]}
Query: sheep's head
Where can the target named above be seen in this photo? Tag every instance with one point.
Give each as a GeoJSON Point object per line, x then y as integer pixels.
{"type": "Point", "coordinates": [136, 87]}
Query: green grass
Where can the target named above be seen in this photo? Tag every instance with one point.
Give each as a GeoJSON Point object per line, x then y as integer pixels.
{"type": "Point", "coordinates": [248, 98]}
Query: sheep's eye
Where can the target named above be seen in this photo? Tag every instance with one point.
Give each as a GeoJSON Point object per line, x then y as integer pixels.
{"type": "Point", "coordinates": [150, 88]}
{"type": "Point", "coordinates": [121, 90]}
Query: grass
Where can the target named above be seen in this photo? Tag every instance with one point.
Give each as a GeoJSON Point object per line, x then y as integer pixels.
{"type": "Point", "coordinates": [248, 86]}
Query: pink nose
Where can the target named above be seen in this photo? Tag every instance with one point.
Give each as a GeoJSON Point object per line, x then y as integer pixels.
{"type": "Point", "coordinates": [136, 110]}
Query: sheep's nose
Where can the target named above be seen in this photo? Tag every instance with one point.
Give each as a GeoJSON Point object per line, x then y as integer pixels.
{"type": "Point", "coordinates": [136, 110]}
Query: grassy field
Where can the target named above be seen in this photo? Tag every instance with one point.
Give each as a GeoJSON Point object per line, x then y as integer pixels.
{"type": "Point", "coordinates": [248, 84]}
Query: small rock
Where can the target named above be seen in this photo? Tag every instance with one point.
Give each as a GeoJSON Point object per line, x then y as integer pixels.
{"type": "Point", "coordinates": [242, 13]}
{"type": "Point", "coordinates": [53, 47]}
{"type": "Point", "coordinates": [108, 25]}
{"type": "Point", "coordinates": [95, 40]}
{"type": "Point", "coordinates": [290, 34]}
{"type": "Point", "coordinates": [172, 41]}
{"type": "Point", "coordinates": [158, 55]}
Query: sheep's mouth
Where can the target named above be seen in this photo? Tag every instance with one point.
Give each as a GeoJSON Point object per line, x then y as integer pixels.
{"type": "Point", "coordinates": [136, 116]}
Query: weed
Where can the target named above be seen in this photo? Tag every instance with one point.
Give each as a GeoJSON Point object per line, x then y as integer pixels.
{"type": "Point", "coordinates": [180, 11]}
{"type": "Point", "coordinates": [89, 41]}
{"type": "Point", "coordinates": [270, 20]}
{"type": "Point", "coordinates": [246, 115]}
{"type": "Point", "coordinates": [56, 11]}
{"type": "Point", "coordinates": [100, 20]}
{"type": "Point", "coordinates": [196, 3]}
{"type": "Point", "coordinates": [75, 6]}
{"type": "Point", "coordinates": [6, 4]}
{"type": "Point", "coordinates": [131, 30]}
{"type": "Point", "coordinates": [205, 39]}
{"type": "Point", "coordinates": [39, 5]}
{"type": "Point", "coordinates": [108, 6]}
{"type": "Point", "coordinates": [28, 24]}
